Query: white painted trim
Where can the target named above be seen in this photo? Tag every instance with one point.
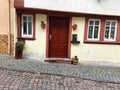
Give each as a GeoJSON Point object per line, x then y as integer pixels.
{"type": "Point", "coordinates": [93, 29]}
{"type": "Point", "coordinates": [110, 30]}
{"type": "Point", "coordinates": [26, 36]}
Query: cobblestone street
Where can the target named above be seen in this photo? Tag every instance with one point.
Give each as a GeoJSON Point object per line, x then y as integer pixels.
{"type": "Point", "coordinates": [27, 74]}
{"type": "Point", "coordinates": [83, 71]}
{"type": "Point", "coordinates": [14, 80]}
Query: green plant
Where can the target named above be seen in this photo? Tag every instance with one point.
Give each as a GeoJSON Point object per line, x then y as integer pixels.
{"type": "Point", "coordinates": [42, 22]}
{"type": "Point", "coordinates": [43, 25]}
{"type": "Point", "coordinates": [19, 45]}
{"type": "Point", "coordinates": [74, 58]}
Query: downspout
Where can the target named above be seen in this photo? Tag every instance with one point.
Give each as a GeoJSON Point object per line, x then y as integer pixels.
{"type": "Point", "coordinates": [9, 27]}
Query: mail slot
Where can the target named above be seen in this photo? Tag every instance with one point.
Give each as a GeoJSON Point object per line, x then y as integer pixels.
{"type": "Point", "coordinates": [74, 39]}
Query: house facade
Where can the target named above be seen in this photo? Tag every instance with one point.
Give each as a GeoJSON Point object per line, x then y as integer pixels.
{"type": "Point", "coordinates": [96, 36]}
{"type": "Point", "coordinates": [6, 27]}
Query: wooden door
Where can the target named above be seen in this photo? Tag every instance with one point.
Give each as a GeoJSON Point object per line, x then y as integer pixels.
{"type": "Point", "coordinates": [58, 37]}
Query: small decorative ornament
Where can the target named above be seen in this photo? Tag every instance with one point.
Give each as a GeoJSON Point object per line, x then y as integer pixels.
{"type": "Point", "coordinates": [74, 60]}
{"type": "Point", "coordinates": [74, 26]}
{"type": "Point", "coordinates": [43, 25]}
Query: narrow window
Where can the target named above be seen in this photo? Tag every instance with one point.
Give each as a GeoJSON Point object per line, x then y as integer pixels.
{"type": "Point", "coordinates": [27, 26]}
{"type": "Point", "coordinates": [110, 30]}
{"type": "Point", "coordinates": [93, 29]}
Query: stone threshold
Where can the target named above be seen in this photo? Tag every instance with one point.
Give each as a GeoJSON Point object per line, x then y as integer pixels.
{"type": "Point", "coordinates": [59, 60]}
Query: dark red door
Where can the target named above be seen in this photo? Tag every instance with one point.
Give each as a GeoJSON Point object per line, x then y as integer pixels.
{"type": "Point", "coordinates": [58, 37]}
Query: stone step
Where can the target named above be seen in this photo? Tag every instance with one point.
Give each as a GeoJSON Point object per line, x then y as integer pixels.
{"type": "Point", "coordinates": [59, 60]}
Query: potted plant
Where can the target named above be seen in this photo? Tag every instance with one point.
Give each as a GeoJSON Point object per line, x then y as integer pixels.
{"type": "Point", "coordinates": [19, 49]}
{"type": "Point", "coordinates": [74, 60]}
{"type": "Point", "coordinates": [74, 26]}
{"type": "Point", "coordinates": [43, 25]}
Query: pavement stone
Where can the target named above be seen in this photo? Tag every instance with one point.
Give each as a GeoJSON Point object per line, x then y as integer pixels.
{"type": "Point", "coordinates": [83, 71]}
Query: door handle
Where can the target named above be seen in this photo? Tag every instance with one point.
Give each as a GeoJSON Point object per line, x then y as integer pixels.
{"type": "Point", "coordinates": [50, 37]}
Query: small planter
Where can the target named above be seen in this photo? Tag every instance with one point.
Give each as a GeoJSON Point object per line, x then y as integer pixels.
{"type": "Point", "coordinates": [19, 49]}
{"type": "Point", "coordinates": [43, 25]}
{"type": "Point", "coordinates": [74, 26]}
{"type": "Point", "coordinates": [74, 60]}
{"type": "Point", "coordinates": [18, 54]}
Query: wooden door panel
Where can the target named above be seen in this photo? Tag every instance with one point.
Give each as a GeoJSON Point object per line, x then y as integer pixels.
{"type": "Point", "coordinates": [59, 40]}
{"type": "Point", "coordinates": [58, 55]}
{"type": "Point", "coordinates": [58, 30]}
{"type": "Point", "coordinates": [61, 49]}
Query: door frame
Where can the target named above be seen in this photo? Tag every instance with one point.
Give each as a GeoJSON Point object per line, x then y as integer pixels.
{"type": "Point", "coordinates": [69, 36]}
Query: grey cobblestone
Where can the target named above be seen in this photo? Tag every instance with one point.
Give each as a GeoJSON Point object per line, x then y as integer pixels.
{"type": "Point", "coordinates": [83, 71]}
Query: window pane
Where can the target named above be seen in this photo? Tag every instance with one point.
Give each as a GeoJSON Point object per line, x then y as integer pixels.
{"type": "Point", "coordinates": [90, 22]}
{"type": "Point", "coordinates": [29, 18]}
{"type": "Point", "coordinates": [24, 18]}
{"type": "Point", "coordinates": [90, 32]}
{"type": "Point", "coordinates": [24, 28]}
{"type": "Point", "coordinates": [96, 22]}
{"type": "Point", "coordinates": [113, 23]}
{"type": "Point", "coordinates": [96, 32]}
{"type": "Point", "coordinates": [107, 32]}
{"type": "Point", "coordinates": [107, 23]}
{"type": "Point", "coordinates": [110, 30]}
{"type": "Point", "coordinates": [112, 33]}
{"type": "Point", "coordinates": [29, 27]}
{"type": "Point", "coordinates": [93, 31]}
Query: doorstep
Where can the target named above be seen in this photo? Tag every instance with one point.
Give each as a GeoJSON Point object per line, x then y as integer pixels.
{"type": "Point", "coordinates": [59, 60]}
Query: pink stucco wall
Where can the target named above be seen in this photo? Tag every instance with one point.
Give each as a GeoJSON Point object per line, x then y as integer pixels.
{"type": "Point", "coordinates": [4, 16]}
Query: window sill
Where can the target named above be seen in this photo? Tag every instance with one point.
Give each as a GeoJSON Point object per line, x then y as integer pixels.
{"type": "Point", "coordinates": [26, 38]}
{"type": "Point", "coordinates": [102, 42]}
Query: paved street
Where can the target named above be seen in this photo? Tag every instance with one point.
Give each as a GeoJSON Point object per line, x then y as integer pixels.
{"type": "Point", "coordinates": [14, 80]}
{"type": "Point", "coordinates": [83, 71]}
{"type": "Point", "coordinates": [27, 74]}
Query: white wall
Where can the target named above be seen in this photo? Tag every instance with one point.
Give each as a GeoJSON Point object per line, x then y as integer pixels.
{"type": "Point", "coordinates": [92, 52]}
{"type": "Point", "coordinates": [36, 49]}
{"type": "Point", "coordinates": [109, 7]}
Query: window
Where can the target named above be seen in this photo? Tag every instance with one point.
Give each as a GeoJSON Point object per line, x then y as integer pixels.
{"type": "Point", "coordinates": [103, 30]}
{"type": "Point", "coordinates": [27, 26]}
{"type": "Point", "coordinates": [93, 29]}
{"type": "Point", "coordinates": [110, 30]}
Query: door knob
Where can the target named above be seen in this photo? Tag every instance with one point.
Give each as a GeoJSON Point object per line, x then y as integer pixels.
{"type": "Point", "coordinates": [50, 37]}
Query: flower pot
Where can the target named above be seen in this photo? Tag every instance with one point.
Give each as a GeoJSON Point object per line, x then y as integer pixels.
{"type": "Point", "coordinates": [18, 54]}
{"type": "Point", "coordinates": [43, 26]}
{"type": "Point", "coordinates": [74, 26]}
{"type": "Point", "coordinates": [19, 49]}
{"type": "Point", "coordinates": [75, 62]}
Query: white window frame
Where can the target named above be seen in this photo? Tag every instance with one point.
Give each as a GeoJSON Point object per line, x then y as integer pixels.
{"type": "Point", "coordinates": [26, 35]}
{"type": "Point", "coordinates": [109, 39]}
{"type": "Point", "coordinates": [93, 29]}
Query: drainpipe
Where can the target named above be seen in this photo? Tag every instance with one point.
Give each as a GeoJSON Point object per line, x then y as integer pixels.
{"type": "Point", "coordinates": [9, 27]}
